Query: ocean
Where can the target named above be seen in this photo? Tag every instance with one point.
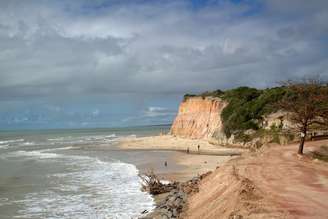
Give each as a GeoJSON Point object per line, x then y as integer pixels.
{"type": "Point", "coordinates": [76, 173]}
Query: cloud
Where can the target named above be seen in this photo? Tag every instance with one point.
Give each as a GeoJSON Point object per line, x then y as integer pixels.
{"type": "Point", "coordinates": [154, 111]}
{"type": "Point", "coordinates": [51, 48]}
{"type": "Point", "coordinates": [152, 115]}
{"type": "Point", "coordinates": [56, 52]}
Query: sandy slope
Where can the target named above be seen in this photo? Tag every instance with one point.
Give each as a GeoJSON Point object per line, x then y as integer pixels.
{"type": "Point", "coordinates": [274, 183]}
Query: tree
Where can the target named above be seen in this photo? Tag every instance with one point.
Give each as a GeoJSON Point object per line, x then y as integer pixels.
{"type": "Point", "coordinates": [306, 102]}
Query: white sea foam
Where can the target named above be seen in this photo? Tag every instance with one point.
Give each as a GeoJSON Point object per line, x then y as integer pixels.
{"type": "Point", "coordinates": [28, 143]}
{"type": "Point", "coordinates": [4, 146]}
{"type": "Point", "coordinates": [58, 149]}
{"type": "Point", "coordinates": [32, 154]}
{"type": "Point", "coordinates": [97, 189]}
{"type": "Point", "coordinates": [59, 138]}
{"type": "Point", "coordinates": [11, 141]}
{"type": "Point", "coordinates": [111, 136]}
{"type": "Point", "coordinates": [84, 186]}
{"type": "Point", "coordinates": [81, 139]}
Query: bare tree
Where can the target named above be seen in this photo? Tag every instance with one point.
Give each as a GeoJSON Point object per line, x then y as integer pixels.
{"type": "Point", "coordinates": [307, 103]}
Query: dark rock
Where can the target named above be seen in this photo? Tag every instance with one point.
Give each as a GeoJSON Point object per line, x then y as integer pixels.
{"type": "Point", "coordinates": [144, 212]}
{"type": "Point", "coordinates": [173, 205]}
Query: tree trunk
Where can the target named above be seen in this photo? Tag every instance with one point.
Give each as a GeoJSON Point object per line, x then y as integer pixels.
{"type": "Point", "coordinates": [300, 148]}
{"type": "Point", "coordinates": [303, 136]}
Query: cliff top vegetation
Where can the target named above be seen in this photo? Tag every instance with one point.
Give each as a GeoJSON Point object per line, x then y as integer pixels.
{"type": "Point", "coordinates": [246, 106]}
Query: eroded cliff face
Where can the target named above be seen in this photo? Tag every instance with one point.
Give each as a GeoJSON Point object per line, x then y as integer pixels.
{"type": "Point", "coordinates": [198, 118]}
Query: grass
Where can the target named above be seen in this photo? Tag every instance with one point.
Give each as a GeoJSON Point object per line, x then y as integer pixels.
{"type": "Point", "coordinates": [321, 154]}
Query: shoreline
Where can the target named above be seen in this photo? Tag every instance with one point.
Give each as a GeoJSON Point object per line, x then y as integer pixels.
{"type": "Point", "coordinates": [237, 186]}
{"type": "Point", "coordinates": [182, 167]}
{"type": "Point", "coordinates": [174, 143]}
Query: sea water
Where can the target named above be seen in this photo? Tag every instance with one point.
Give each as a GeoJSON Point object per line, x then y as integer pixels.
{"type": "Point", "coordinates": [71, 174]}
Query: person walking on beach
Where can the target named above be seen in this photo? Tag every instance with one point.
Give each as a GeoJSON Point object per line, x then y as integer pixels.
{"type": "Point", "coordinates": [187, 150]}
{"type": "Point", "coordinates": [198, 147]}
{"type": "Point", "coordinates": [165, 163]}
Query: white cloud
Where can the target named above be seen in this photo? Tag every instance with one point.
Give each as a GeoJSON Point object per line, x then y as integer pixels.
{"type": "Point", "coordinates": [154, 111]}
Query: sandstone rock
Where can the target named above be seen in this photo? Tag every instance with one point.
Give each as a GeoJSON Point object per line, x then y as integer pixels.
{"type": "Point", "coordinates": [198, 117]}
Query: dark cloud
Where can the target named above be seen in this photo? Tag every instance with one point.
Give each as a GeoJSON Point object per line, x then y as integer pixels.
{"type": "Point", "coordinates": [68, 49]}
{"type": "Point", "coordinates": [156, 47]}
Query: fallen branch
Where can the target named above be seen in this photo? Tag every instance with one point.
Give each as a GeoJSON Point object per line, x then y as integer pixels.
{"type": "Point", "coordinates": [152, 184]}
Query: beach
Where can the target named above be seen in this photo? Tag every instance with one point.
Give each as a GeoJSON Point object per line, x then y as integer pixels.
{"type": "Point", "coordinates": [181, 165]}
{"type": "Point", "coordinates": [254, 183]}
{"type": "Point", "coordinates": [76, 173]}
{"type": "Point", "coordinates": [94, 172]}
{"type": "Point", "coordinates": [176, 160]}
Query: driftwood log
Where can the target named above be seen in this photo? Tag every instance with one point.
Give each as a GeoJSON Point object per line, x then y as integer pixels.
{"type": "Point", "coordinates": [152, 184]}
{"type": "Point", "coordinates": [175, 202]}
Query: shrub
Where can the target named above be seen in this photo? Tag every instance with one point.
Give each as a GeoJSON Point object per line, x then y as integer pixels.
{"type": "Point", "coordinates": [246, 107]}
{"type": "Point", "coordinates": [186, 96]}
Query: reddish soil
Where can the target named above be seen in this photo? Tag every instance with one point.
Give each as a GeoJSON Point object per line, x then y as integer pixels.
{"type": "Point", "coordinates": [272, 183]}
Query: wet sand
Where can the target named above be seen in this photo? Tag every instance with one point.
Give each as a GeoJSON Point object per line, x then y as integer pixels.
{"type": "Point", "coordinates": [181, 166]}
{"type": "Point", "coordinates": [271, 183]}
{"type": "Point", "coordinates": [173, 143]}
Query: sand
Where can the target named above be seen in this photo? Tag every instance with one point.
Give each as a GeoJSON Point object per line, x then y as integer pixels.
{"type": "Point", "coordinates": [181, 166]}
{"type": "Point", "coordinates": [272, 183]}
{"type": "Point", "coordinates": [172, 143]}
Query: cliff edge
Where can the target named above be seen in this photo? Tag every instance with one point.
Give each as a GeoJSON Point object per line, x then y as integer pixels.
{"type": "Point", "coordinates": [199, 117]}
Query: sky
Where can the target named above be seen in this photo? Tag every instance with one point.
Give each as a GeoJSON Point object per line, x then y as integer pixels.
{"type": "Point", "coordinates": [110, 63]}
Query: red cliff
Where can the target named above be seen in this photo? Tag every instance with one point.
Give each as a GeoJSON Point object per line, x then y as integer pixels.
{"type": "Point", "coordinates": [198, 117]}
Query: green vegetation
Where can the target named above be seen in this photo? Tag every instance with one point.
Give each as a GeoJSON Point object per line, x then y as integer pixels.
{"type": "Point", "coordinates": [322, 153]}
{"type": "Point", "coordinates": [247, 106]}
{"type": "Point", "coordinates": [306, 100]}
{"type": "Point", "coordinates": [216, 93]}
{"type": "Point", "coordinates": [186, 96]}
{"type": "Point", "coordinates": [273, 135]}
{"type": "Point", "coordinates": [307, 104]}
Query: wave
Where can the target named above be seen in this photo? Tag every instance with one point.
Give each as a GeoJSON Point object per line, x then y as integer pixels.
{"type": "Point", "coordinates": [83, 139]}
{"type": "Point", "coordinates": [95, 189]}
{"type": "Point", "coordinates": [111, 136]}
{"type": "Point", "coordinates": [11, 141]}
{"type": "Point", "coordinates": [42, 154]}
{"type": "Point", "coordinates": [58, 149]}
{"type": "Point", "coordinates": [81, 186]}
{"type": "Point", "coordinates": [37, 154]}
{"type": "Point", "coordinates": [64, 148]}
{"type": "Point", "coordinates": [4, 146]}
{"type": "Point", "coordinates": [60, 138]}
{"type": "Point", "coordinates": [28, 143]}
